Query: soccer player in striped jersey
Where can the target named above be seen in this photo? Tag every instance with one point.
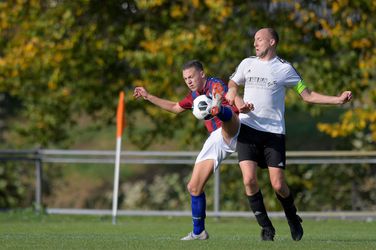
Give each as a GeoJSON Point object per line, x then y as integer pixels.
{"type": "Point", "coordinates": [223, 129]}
{"type": "Point", "coordinates": [261, 140]}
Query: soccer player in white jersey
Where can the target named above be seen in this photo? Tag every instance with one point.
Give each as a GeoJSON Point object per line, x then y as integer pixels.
{"type": "Point", "coordinates": [261, 140]}
{"type": "Point", "coordinates": [221, 142]}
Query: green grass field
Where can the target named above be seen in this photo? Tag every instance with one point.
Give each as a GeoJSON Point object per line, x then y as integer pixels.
{"type": "Point", "coordinates": [25, 230]}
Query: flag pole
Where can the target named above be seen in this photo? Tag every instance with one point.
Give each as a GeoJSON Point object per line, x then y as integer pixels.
{"type": "Point", "coordinates": [119, 132]}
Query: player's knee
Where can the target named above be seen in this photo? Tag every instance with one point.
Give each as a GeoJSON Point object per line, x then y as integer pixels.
{"type": "Point", "coordinates": [278, 187]}
{"type": "Point", "coordinates": [250, 183]}
{"type": "Point", "coordinates": [193, 190]}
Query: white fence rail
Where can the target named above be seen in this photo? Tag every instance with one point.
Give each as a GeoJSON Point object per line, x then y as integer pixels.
{"type": "Point", "coordinates": [54, 156]}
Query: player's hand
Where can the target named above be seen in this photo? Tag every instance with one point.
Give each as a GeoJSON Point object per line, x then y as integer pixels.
{"type": "Point", "coordinates": [246, 108]}
{"type": "Point", "coordinates": [140, 92]}
{"type": "Point", "coordinates": [345, 97]}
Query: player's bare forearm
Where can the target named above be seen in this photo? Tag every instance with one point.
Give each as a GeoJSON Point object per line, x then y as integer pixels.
{"type": "Point", "coordinates": [232, 92]}
{"type": "Point", "coordinates": [162, 103]}
{"type": "Point", "coordinates": [317, 98]}
{"type": "Point", "coordinates": [167, 105]}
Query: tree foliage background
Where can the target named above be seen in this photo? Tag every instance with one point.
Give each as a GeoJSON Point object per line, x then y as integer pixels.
{"type": "Point", "coordinates": [64, 60]}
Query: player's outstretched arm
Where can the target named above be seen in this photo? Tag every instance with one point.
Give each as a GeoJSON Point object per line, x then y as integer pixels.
{"type": "Point", "coordinates": [317, 98]}
{"type": "Point", "coordinates": [174, 107]}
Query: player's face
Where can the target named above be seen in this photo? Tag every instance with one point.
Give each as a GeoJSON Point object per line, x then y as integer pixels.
{"type": "Point", "coordinates": [195, 79]}
{"type": "Point", "coordinates": [262, 43]}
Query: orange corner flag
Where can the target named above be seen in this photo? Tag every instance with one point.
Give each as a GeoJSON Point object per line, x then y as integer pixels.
{"type": "Point", "coordinates": [120, 116]}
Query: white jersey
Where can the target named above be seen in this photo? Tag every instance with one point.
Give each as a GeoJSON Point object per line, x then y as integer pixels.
{"type": "Point", "coordinates": [265, 84]}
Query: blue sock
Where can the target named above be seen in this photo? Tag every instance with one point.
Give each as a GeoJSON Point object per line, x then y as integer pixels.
{"type": "Point", "coordinates": [225, 114]}
{"type": "Point", "coordinates": [198, 204]}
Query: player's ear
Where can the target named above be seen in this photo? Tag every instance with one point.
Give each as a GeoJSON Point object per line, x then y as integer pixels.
{"type": "Point", "coordinates": [202, 74]}
{"type": "Point", "coordinates": [272, 42]}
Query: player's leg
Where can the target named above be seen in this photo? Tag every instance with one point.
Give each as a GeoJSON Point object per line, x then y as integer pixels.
{"type": "Point", "coordinates": [248, 155]}
{"type": "Point", "coordinates": [275, 155]}
{"type": "Point", "coordinates": [200, 175]}
{"type": "Point", "coordinates": [286, 198]}
{"type": "Point", "coordinates": [230, 128]}
{"type": "Point", "coordinates": [205, 164]}
{"type": "Point", "coordinates": [255, 198]}
{"type": "Point", "coordinates": [249, 174]}
{"type": "Point", "coordinates": [230, 121]}
{"type": "Point", "coordinates": [277, 179]}
{"type": "Point", "coordinates": [212, 154]}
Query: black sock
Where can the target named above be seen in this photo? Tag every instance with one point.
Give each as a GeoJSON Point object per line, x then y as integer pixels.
{"type": "Point", "coordinates": [256, 202]}
{"type": "Point", "coordinates": [288, 205]}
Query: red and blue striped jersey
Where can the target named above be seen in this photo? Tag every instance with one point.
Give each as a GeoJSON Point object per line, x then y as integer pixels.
{"type": "Point", "coordinates": [187, 102]}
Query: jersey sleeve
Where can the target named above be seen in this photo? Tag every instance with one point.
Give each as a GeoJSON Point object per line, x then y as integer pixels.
{"type": "Point", "coordinates": [292, 77]}
{"type": "Point", "coordinates": [187, 102]}
{"type": "Point", "coordinates": [238, 76]}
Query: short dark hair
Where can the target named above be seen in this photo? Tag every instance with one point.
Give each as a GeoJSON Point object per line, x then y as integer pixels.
{"type": "Point", "coordinates": [193, 64]}
{"type": "Point", "coordinates": [274, 35]}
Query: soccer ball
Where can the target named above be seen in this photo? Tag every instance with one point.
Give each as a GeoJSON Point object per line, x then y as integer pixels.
{"type": "Point", "coordinates": [201, 107]}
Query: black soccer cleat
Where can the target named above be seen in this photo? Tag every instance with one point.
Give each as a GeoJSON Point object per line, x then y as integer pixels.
{"type": "Point", "coordinates": [267, 233]}
{"type": "Point", "coordinates": [296, 228]}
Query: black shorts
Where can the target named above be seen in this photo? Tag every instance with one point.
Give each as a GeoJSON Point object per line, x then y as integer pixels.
{"type": "Point", "coordinates": [267, 149]}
